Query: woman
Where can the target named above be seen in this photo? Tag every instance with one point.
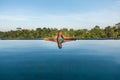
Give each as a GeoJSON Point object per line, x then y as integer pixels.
{"type": "Point", "coordinates": [59, 38]}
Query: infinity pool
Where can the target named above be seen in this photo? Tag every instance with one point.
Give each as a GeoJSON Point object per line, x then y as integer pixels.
{"type": "Point", "coordinates": [43, 60]}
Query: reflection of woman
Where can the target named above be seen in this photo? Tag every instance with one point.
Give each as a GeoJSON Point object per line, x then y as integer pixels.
{"type": "Point", "coordinates": [59, 44]}
{"type": "Point", "coordinates": [59, 38]}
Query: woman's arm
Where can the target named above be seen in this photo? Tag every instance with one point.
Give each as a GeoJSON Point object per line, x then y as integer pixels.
{"type": "Point", "coordinates": [53, 39]}
{"type": "Point", "coordinates": [68, 38]}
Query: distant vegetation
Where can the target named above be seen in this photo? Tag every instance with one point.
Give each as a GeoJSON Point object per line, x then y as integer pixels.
{"type": "Point", "coordinates": [96, 32]}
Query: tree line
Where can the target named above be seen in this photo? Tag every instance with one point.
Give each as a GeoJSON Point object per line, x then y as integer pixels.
{"type": "Point", "coordinates": [96, 32]}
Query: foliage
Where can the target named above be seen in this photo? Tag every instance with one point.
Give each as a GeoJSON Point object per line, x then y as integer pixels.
{"type": "Point", "coordinates": [96, 32]}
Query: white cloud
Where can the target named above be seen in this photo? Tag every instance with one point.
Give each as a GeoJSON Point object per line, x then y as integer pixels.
{"type": "Point", "coordinates": [13, 18]}
{"type": "Point", "coordinates": [118, 3]}
{"type": "Point", "coordinates": [102, 18]}
{"type": "Point", "coordinates": [78, 20]}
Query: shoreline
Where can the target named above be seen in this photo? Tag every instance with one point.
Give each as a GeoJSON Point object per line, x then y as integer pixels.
{"type": "Point", "coordinates": [70, 39]}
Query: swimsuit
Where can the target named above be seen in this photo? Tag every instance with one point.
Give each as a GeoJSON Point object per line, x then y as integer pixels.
{"type": "Point", "coordinates": [60, 39]}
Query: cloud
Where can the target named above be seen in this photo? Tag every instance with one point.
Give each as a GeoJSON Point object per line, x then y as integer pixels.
{"type": "Point", "coordinates": [118, 3]}
{"type": "Point", "coordinates": [85, 20]}
{"type": "Point", "coordinates": [104, 17]}
{"type": "Point", "coordinates": [13, 18]}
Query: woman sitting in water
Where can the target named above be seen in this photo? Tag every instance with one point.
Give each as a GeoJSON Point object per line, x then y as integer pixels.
{"type": "Point", "coordinates": [59, 38]}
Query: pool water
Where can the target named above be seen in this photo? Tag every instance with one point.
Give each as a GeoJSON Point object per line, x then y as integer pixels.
{"type": "Point", "coordinates": [43, 60]}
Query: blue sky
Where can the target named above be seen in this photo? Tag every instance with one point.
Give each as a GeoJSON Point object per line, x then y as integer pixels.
{"type": "Point", "coordinates": [58, 13]}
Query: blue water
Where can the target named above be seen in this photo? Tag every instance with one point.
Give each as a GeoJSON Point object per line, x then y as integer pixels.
{"type": "Point", "coordinates": [43, 60]}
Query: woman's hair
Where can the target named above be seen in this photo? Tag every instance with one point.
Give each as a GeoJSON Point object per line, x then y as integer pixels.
{"type": "Point", "coordinates": [59, 31]}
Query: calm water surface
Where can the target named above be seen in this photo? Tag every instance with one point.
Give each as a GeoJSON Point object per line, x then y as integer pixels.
{"type": "Point", "coordinates": [43, 60]}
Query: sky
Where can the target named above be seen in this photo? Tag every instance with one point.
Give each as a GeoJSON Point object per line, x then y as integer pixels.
{"type": "Point", "coordinates": [77, 14]}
